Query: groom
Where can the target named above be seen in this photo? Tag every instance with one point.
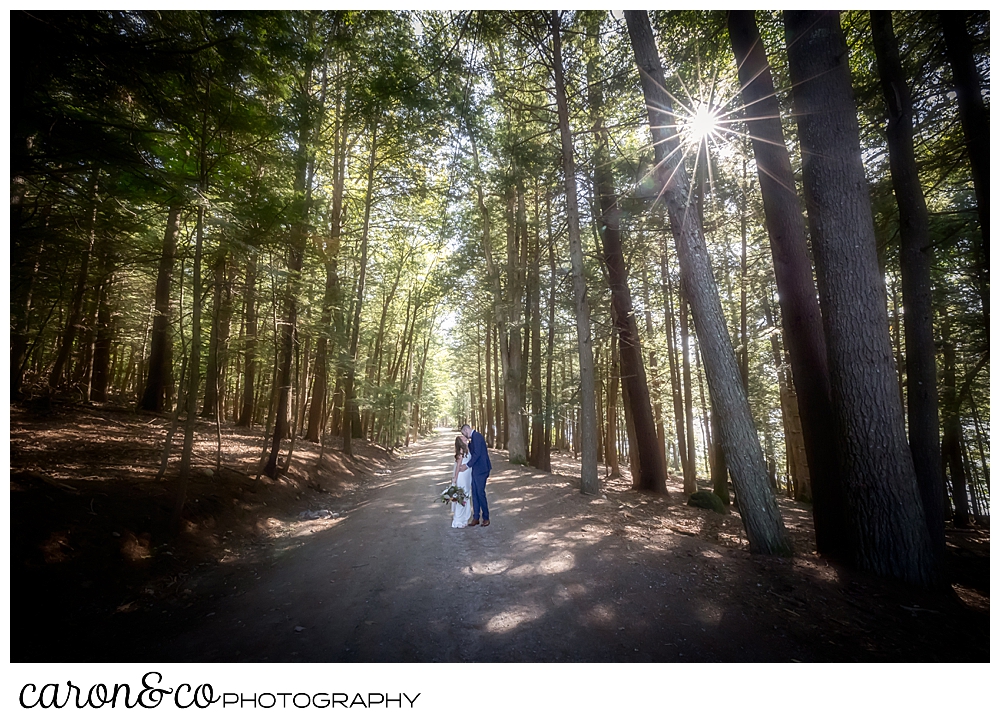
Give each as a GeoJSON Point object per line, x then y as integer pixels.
{"type": "Point", "coordinates": [479, 462]}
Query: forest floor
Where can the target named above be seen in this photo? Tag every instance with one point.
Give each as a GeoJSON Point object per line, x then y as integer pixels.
{"type": "Point", "coordinates": [97, 575]}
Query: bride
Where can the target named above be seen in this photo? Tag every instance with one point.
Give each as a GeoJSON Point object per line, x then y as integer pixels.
{"type": "Point", "coordinates": [462, 512]}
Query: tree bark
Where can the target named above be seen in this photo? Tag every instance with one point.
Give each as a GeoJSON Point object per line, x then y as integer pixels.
{"type": "Point", "coordinates": [218, 338]}
{"type": "Point", "coordinates": [153, 397]}
{"type": "Point", "coordinates": [104, 337]}
{"type": "Point", "coordinates": [545, 460]}
{"type": "Point", "coordinates": [886, 520]}
{"type": "Point", "coordinates": [675, 374]}
{"type": "Point", "coordinates": [490, 430]}
{"type": "Point", "coordinates": [510, 342]}
{"type": "Point", "coordinates": [650, 469]}
{"type": "Point", "coordinates": [611, 441]}
{"type": "Point", "coordinates": [795, 452]}
{"type": "Point", "coordinates": [915, 260]}
{"type": "Point", "coordinates": [761, 518]}
{"type": "Point", "coordinates": [589, 481]}
{"type": "Point", "coordinates": [951, 443]}
{"type": "Point", "coordinates": [500, 404]}
{"type": "Point", "coordinates": [976, 127]}
{"type": "Point", "coordinates": [350, 403]}
{"type": "Point", "coordinates": [194, 366]}
{"type": "Point", "coordinates": [661, 433]}
{"type": "Point", "coordinates": [250, 343]}
{"type": "Point", "coordinates": [534, 300]}
{"type": "Point", "coordinates": [691, 462]}
{"type": "Point", "coordinates": [801, 319]}
{"type": "Point", "coordinates": [331, 318]}
{"type": "Point", "coordinates": [287, 336]}
{"type": "Point", "coordinates": [76, 304]}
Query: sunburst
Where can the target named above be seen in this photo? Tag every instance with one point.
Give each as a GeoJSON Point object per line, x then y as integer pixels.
{"type": "Point", "coordinates": [704, 123]}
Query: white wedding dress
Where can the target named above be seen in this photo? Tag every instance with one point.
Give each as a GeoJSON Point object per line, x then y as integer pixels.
{"type": "Point", "coordinates": [461, 514]}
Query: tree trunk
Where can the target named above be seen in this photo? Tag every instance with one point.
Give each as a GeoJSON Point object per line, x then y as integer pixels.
{"type": "Point", "coordinates": [887, 524]}
{"type": "Point", "coordinates": [76, 305]}
{"type": "Point", "coordinates": [661, 433]}
{"type": "Point", "coordinates": [707, 430]}
{"type": "Point", "coordinates": [286, 346]}
{"type": "Point", "coordinates": [534, 301]}
{"type": "Point", "coordinates": [350, 403]}
{"type": "Point", "coordinates": [194, 366]}
{"type": "Point", "coordinates": [287, 336]}
{"type": "Point", "coordinates": [153, 397]}
{"type": "Point", "coordinates": [104, 336]}
{"type": "Point", "coordinates": [720, 472]}
{"type": "Point", "coordinates": [951, 443]}
{"type": "Point", "coordinates": [744, 337]}
{"type": "Point", "coordinates": [250, 343]}
{"type": "Point", "coordinates": [331, 318]}
{"type": "Point", "coordinates": [649, 471]}
{"type": "Point", "coordinates": [915, 259]}
{"type": "Point", "coordinates": [500, 404]}
{"type": "Point", "coordinates": [691, 462]}
{"type": "Point", "coordinates": [545, 460]}
{"type": "Point", "coordinates": [23, 278]}
{"type": "Point", "coordinates": [510, 343]}
{"type": "Point", "coordinates": [415, 419]}
{"type": "Point", "coordinates": [976, 127]}
{"type": "Point", "coordinates": [801, 320]}
{"type": "Point", "coordinates": [761, 518]}
{"type": "Point", "coordinates": [795, 452]}
{"type": "Point", "coordinates": [524, 247]}
{"type": "Point", "coordinates": [675, 374]}
{"type": "Point", "coordinates": [589, 481]}
{"type": "Point", "coordinates": [490, 431]}
{"type": "Point", "coordinates": [210, 405]}
{"type": "Point", "coordinates": [611, 441]}
{"type": "Point", "coordinates": [634, 464]}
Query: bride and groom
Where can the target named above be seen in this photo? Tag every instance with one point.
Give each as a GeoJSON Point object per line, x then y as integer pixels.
{"type": "Point", "coordinates": [472, 467]}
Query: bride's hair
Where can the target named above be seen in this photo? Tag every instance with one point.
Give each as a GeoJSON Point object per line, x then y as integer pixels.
{"type": "Point", "coordinates": [461, 448]}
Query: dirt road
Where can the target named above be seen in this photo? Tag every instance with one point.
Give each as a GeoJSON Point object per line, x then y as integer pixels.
{"type": "Point", "coordinates": [549, 580]}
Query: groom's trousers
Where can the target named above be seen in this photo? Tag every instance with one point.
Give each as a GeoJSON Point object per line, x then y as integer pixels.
{"type": "Point", "coordinates": [479, 497]}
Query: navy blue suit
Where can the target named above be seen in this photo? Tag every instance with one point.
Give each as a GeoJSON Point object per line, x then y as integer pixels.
{"type": "Point", "coordinates": [479, 463]}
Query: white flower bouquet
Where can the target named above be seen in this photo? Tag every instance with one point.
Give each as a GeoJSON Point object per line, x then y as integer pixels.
{"type": "Point", "coordinates": [453, 494]}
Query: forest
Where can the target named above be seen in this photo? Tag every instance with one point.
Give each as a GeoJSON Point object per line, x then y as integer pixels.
{"type": "Point", "coordinates": [741, 255]}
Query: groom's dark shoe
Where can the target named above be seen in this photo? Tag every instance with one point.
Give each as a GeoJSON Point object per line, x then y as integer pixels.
{"type": "Point", "coordinates": [486, 523]}
{"type": "Point", "coordinates": [473, 523]}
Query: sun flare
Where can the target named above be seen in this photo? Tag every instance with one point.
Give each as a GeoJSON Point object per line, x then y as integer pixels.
{"type": "Point", "coordinates": [702, 123]}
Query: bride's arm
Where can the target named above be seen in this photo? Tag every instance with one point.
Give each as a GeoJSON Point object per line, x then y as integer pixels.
{"type": "Point", "coordinates": [454, 474]}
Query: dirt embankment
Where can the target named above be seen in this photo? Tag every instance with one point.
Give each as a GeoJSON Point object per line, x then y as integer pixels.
{"type": "Point", "coordinates": [92, 548]}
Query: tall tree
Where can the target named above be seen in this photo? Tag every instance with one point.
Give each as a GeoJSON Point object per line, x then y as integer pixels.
{"type": "Point", "coordinates": [350, 401]}
{"type": "Point", "coordinates": [801, 319]}
{"type": "Point", "coordinates": [153, 397]}
{"type": "Point", "coordinates": [761, 518]}
{"type": "Point", "coordinates": [887, 527]}
{"type": "Point", "coordinates": [56, 377]}
{"type": "Point", "coordinates": [332, 316]}
{"type": "Point", "coordinates": [246, 415]}
{"type": "Point", "coordinates": [669, 326]}
{"type": "Point", "coordinates": [589, 483]}
{"type": "Point", "coordinates": [306, 125]}
{"type": "Point", "coordinates": [976, 127]}
{"type": "Point", "coordinates": [534, 303]}
{"type": "Point", "coordinates": [652, 474]}
{"type": "Point", "coordinates": [915, 260]}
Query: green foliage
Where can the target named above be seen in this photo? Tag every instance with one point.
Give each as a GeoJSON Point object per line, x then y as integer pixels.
{"type": "Point", "coordinates": [222, 109]}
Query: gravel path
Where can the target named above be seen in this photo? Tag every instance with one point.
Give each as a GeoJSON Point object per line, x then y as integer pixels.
{"type": "Point", "coordinates": [553, 579]}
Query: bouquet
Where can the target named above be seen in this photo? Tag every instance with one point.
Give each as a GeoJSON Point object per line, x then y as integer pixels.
{"type": "Point", "coordinates": [453, 494]}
